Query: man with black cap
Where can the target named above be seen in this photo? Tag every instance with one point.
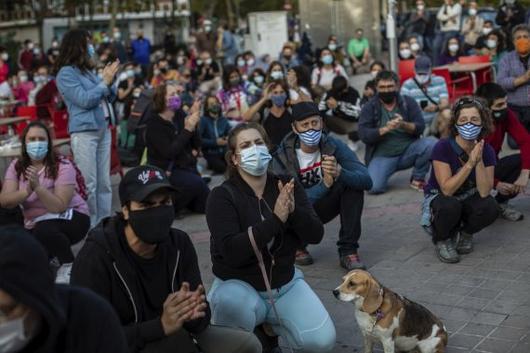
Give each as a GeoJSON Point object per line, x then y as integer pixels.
{"type": "Point", "coordinates": [38, 316]}
{"type": "Point", "coordinates": [149, 272]}
{"type": "Point", "coordinates": [332, 176]}
{"type": "Point", "coordinates": [429, 90]}
{"type": "Point", "coordinates": [391, 126]}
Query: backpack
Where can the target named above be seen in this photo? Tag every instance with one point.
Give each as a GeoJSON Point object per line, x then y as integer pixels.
{"type": "Point", "coordinates": [80, 180]}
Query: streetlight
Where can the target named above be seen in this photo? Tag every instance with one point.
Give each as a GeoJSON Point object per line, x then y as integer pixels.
{"type": "Point", "coordinates": [391, 34]}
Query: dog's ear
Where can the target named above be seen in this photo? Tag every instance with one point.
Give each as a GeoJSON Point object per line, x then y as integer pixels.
{"type": "Point", "coordinates": [373, 298]}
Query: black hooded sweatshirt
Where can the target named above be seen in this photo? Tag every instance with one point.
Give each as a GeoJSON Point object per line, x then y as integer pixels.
{"type": "Point", "coordinates": [104, 265]}
{"type": "Point", "coordinates": [74, 320]}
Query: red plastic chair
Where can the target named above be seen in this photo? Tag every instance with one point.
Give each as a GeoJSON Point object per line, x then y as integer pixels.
{"type": "Point", "coordinates": [60, 123]}
{"type": "Point", "coordinates": [456, 87]}
{"type": "Point", "coordinates": [484, 75]}
{"type": "Point", "coordinates": [406, 70]}
{"type": "Point", "coordinates": [26, 111]}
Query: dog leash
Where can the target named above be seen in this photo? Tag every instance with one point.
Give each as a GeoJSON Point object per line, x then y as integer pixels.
{"type": "Point", "coordinates": [261, 263]}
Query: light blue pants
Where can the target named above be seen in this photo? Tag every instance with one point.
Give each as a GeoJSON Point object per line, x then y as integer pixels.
{"type": "Point", "coordinates": [91, 151]}
{"type": "Point", "coordinates": [306, 323]}
{"type": "Point", "coordinates": [417, 155]}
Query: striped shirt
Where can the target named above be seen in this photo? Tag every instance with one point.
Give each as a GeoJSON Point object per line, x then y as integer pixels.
{"type": "Point", "coordinates": [437, 90]}
{"type": "Point", "coordinates": [510, 67]}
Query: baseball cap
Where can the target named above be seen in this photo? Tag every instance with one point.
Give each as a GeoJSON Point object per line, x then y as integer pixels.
{"type": "Point", "coordinates": [304, 110]}
{"type": "Point", "coordinates": [423, 65]}
{"type": "Point", "coordinates": [140, 182]}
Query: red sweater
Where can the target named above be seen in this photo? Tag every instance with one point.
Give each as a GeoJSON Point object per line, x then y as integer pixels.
{"type": "Point", "coordinates": [517, 131]}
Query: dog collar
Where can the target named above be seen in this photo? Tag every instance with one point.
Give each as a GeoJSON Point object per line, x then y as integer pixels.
{"type": "Point", "coordinates": [378, 315]}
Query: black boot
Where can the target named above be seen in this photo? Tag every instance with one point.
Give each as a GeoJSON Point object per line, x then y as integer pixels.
{"type": "Point", "coordinates": [269, 343]}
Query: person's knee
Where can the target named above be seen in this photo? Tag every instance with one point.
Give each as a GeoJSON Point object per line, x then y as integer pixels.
{"type": "Point", "coordinates": [486, 208]}
{"type": "Point", "coordinates": [233, 304]}
{"type": "Point", "coordinates": [448, 207]}
{"type": "Point", "coordinates": [250, 344]}
{"type": "Point", "coordinates": [321, 340]}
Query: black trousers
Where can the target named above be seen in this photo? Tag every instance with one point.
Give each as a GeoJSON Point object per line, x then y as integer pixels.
{"type": "Point", "coordinates": [216, 162]}
{"type": "Point", "coordinates": [470, 215]}
{"type": "Point", "coordinates": [348, 204]}
{"type": "Point", "coordinates": [508, 170]}
{"type": "Point", "coordinates": [193, 191]}
{"type": "Point", "coordinates": [58, 235]}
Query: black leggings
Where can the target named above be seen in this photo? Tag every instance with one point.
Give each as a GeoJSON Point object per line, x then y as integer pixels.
{"type": "Point", "coordinates": [58, 235]}
{"type": "Point", "coordinates": [216, 162]}
{"type": "Point", "coordinates": [470, 215]}
{"type": "Point", "coordinates": [507, 170]}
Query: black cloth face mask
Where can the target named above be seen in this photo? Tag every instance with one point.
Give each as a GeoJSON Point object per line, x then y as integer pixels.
{"type": "Point", "coordinates": [387, 97]}
{"type": "Point", "coordinates": [152, 225]}
{"type": "Point", "coordinates": [500, 114]}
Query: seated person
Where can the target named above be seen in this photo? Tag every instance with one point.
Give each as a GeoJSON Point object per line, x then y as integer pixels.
{"type": "Point", "coordinates": [376, 67]}
{"type": "Point", "coordinates": [149, 273]}
{"type": "Point", "coordinates": [404, 51]}
{"type": "Point", "coordinates": [38, 316]}
{"type": "Point", "coordinates": [163, 73]}
{"type": "Point", "coordinates": [214, 129]}
{"type": "Point", "coordinates": [429, 90]}
{"type": "Point", "coordinates": [391, 126]}
{"type": "Point", "coordinates": [234, 95]}
{"type": "Point", "coordinates": [457, 198]}
{"type": "Point", "coordinates": [370, 89]}
{"type": "Point", "coordinates": [323, 74]}
{"type": "Point", "coordinates": [511, 172]}
{"type": "Point", "coordinates": [451, 52]}
{"type": "Point", "coordinates": [207, 73]}
{"type": "Point", "coordinates": [273, 112]}
{"type": "Point", "coordinates": [173, 142]}
{"type": "Point", "coordinates": [22, 86]}
{"type": "Point", "coordinates": [440, 127]}
{"type": "Point", "coordinates": [332, 177]}
{"type": "Point", "coordinates": [256, 217]}
{"type": "Point", "coordinates": [46, 187]}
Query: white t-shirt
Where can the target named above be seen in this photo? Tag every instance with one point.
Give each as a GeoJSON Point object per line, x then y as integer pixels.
{"type": "Point", "coordinates": [324, 77]}
{"type": "Point", "coordinates": [310, 172]}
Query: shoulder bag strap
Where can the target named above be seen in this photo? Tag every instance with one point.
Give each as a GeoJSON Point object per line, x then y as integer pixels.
{"type": "Point", "coordinates": [424, 91]}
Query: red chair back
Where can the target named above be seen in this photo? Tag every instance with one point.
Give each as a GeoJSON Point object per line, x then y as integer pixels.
{"type": "Point", "coordinates": [60, 124]}
{"type": "Point", "coordinates": [474, 59]}
{"type": "Point", "coordinates": [30, 111]}
{"type": "Point", "coordinates": [406, 70]}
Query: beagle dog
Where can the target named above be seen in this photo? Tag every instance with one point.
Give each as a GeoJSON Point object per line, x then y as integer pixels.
{"type": "Point", "coordinates": [395, 321]}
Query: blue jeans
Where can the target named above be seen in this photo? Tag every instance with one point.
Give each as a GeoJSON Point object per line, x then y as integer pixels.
{"type": "Point", "coordinates": [308, 326]}
{"type": "Point", "coordinates": [91, 151]}
{"type": "Point", "coordinates": [417, 155]}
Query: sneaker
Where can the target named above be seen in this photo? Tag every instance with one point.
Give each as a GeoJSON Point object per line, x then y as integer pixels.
{"type": "Point", "coordinates": [509, 213]}
{"type": "Point", "coordinates": [446, 251]}
{"type": "Point", "coordinates": [63, 274]}
{"type": "Point", "coordinates": [465, 243]}
{"type": "Point", "coordinates": [417, 184]}
{"type": "Point", "coordinates": [303, 257]}
{"type": "Point", "coordinates": [352, 262]}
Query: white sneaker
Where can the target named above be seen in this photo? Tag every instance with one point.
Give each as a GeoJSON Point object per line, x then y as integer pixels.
{"type": "Point", "coordinates": [510, 213]}
{"type": "Point", "coordinates": [63, 274]}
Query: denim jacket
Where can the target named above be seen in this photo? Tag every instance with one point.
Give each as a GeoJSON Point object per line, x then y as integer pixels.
{"type": "Point", "coordinates": [83, 94]}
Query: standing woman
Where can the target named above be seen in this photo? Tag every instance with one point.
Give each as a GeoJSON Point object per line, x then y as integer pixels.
{"type": "Point", "coordinates": [88, 99]}
{"type": "Point", "coordinates": [275, 212]}
{"type": "Point", "coordinates": [457, 197]}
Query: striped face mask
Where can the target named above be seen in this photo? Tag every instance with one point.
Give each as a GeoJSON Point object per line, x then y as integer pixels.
{"type": "Point", "coordinates": [469, 131]}
{"type": "Point", "coordinates": [310, 137]}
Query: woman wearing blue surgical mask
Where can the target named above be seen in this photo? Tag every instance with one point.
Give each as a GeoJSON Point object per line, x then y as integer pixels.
{"type": "Point", "coordinates": [256, 207]}
{"type": "Point", "coordinates": [276, 72]}
{"type": "Point", "coordinates": [46, 186]}
{"type": "Point", "coordinates": [272, 112]}
{"type": "Point", "coordinates": [88, 100]}
{"type": "Point", "coordinates": [327, 69]}
{"type": "Point", "coordinates": [457, 197]}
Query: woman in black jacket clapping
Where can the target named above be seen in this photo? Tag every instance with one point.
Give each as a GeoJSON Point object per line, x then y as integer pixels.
{"type": "Point", "coordinates": [276, 213]}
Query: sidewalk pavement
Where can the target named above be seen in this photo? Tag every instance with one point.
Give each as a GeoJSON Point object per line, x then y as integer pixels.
{"type": "Point", "coordinates": [483, 300]}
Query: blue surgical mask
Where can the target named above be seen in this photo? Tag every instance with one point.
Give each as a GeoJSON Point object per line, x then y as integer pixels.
{"type": "Point", "coordinates": [279, 99]}
{"type": "Point", "coordinates": [37, 150]}
{"type": "Point", "coordinates": [469, 131]}
{"type": "Point", "coordinates": [310, 137]}
{"type": "Point", "coordinates": [91, 51]}
{"type": "Point", "coordinates": [258, 79]}
{"type": "Point", "coordinates": [327, 59]}
{"type": "Point", "coordinates": [276, 75]}
{"type": "Point", "coordinates": [255, 159]}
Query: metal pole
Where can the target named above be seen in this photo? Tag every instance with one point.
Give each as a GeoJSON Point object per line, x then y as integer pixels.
{"type": "Point", "coordinates": [391, 34]}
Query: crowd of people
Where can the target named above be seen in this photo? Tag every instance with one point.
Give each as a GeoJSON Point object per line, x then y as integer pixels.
{"type": "Point", "coordinates": [284, 131]}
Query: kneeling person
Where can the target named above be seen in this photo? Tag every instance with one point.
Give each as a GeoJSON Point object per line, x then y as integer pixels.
{"type": "Point", "coordinates": [332, 176]}
{"type": "Point", "coordinates": [148, 271]}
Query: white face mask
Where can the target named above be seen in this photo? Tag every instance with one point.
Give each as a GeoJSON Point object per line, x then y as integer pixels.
{"type": "Point", "coordinates": [12, 336]}
{"type": "Point", "coordinates": [453, 48]}
{"type": "Point", "coordinates": [486, 30]}
{"type": "Point", "coordinates": [5, 56]}
{"type": "Point", "coordinates": [23, 78]}
{"type": "Point", "coordinates": [423, 78]}
{"type": "Point", "coordinates": [405, 53]}
{"type": "Point", "coordinates": [420, 7]}
{"type": "Point", "coordinates": [374, 73]}
{"type": "Point", "coordinates": [332, 46]}
{"type": "Point", "coordinates": [31, 46]}
{"type": "Point", "coordinates": [415, 47]}
{"type": "Point", "coordinates": [472, 12]}
{"type": "Point", "coordinates": [491, 43]}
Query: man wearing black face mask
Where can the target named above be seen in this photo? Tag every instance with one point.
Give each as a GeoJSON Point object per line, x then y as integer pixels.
{"type": "Point", "coordinates": [149, 273]}
{"type": "Point", "coordinates": [391, 126]}
{"type": "Point", "coordinates": [511, 172]}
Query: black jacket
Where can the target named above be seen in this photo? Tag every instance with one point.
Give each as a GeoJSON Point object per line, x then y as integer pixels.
{"type": "Point", "coordinates": [74, 320]}
{"type": "Point", "coordinates": [370, 120]}
{"type": "Point", "coordinates": [348, 105]}
{"type": "Point", "coordinates": [169, 144]}
{"type": "Point", "coordinates": [230, 247]}
{"type": "Point", "coordinates": [102, 266]}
